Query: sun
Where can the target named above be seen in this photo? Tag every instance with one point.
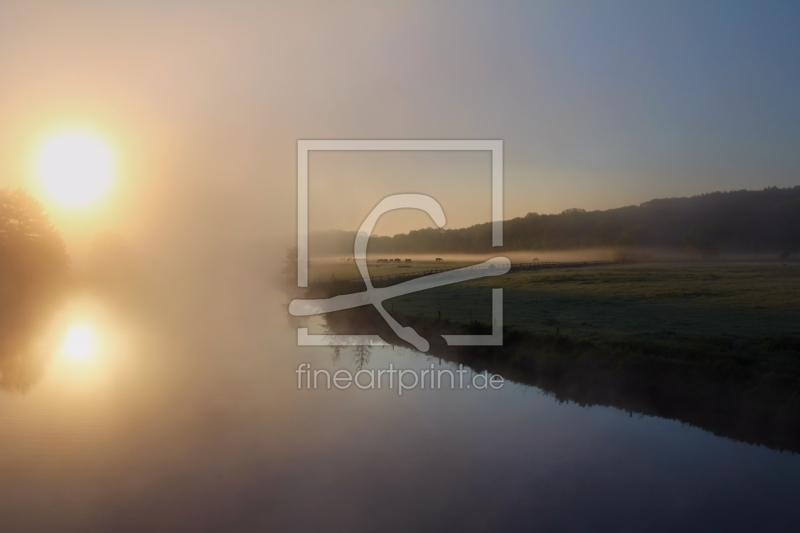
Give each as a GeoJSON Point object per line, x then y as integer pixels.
{"type": "Point", "coordinates": [79, 342]}
{"type": "Point", "coordinates": [75, 168]}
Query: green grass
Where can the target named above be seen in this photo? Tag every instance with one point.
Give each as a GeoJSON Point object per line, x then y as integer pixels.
{"type": "Point", "coordinates": [655, 302]}
{"type": "Point", "coordinates": [717, 346]}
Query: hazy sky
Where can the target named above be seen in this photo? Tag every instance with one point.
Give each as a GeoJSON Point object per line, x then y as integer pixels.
{"type": "Point", "coordinates": [600, 104]}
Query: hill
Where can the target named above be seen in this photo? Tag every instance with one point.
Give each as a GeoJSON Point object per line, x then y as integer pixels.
{"type": "Point", "coordinates": [708, 224]}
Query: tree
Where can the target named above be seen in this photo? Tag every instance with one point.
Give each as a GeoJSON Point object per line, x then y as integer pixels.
{"type": "Point", "coordinates": [32, 262]}
{"type": "Point", "coordinates": [702, 240]}
{"type": "Point", "coordinates": [31, 249]}
{"type": "Point", "coordinates": [734, 222]}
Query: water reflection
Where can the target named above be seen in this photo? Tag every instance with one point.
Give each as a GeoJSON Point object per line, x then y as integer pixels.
{"type": "Point", "coordinates": [74, 342]}
{"type": "Point", "coordinates": [726, 409]}
{"type": "Point", "coordinates": [23, 358]}
{"type": "Point", "coordinates": [188, 418]}
{"type": "Point", "coordinates": [360, 353]}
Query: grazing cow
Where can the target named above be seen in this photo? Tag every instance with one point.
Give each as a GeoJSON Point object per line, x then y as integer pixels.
{"type": "Point", "coordinates": [439, 259]}
{"type": "Point", "coordinates": [397, 260]}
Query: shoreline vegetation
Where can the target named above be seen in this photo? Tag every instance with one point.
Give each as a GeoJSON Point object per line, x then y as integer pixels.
{"type": "Point", "coordinates": [713, 345]}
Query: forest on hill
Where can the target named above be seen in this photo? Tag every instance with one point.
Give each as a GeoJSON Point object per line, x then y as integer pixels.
{"type": "Point", "coordinates": [709, 224]}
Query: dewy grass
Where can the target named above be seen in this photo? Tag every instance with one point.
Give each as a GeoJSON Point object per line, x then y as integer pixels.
{"type": "Point", "coordinates": [714, 345]}
{"type": "Point", "coordinates": [640, 301]}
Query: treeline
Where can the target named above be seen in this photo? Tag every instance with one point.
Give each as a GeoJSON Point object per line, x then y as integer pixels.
{"type": "Point", "coordinates": [709, 224]}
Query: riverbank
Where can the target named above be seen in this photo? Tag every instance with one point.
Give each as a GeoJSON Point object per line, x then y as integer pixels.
{"type": "Point", "coordinates": [712, 346]}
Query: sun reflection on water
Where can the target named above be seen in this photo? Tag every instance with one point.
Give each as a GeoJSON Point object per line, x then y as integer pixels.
{"type": "Point", "coordinates": [88, 342]}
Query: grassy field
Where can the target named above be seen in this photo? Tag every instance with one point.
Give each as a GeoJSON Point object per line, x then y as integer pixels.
{"type": "Point", "coordinates": [651, 301]}
{"type": "Point", "coordinates": [713, 345]}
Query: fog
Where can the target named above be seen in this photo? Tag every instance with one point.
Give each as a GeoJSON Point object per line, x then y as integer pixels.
{"type": "Point", "coordinates": [149, 382]}
{"type": "Point", "coordinates": [205, 104]}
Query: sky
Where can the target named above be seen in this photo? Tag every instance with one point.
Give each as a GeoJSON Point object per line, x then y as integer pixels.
{"type": "Point", "coordinates": [599, 105]}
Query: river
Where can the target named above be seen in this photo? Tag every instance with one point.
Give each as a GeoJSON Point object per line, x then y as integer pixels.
{"type": "Point", "coordinates": [187, 416]}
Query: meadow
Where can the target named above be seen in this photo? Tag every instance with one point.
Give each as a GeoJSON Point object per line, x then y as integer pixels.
{"type": "Point", "coordinates": [658, 301]}
{"type": "Point", "coordinates": [324, 269]}
{"type": "Point", "coordinates": [715, 345]}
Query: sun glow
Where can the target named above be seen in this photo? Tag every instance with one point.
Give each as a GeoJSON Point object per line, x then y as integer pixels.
{"type": "Point", "coordinates": [75, 168]}
{"type": "Point", "coordinates": [79, 342]}
{"type": "Point", "coordinates": [87, 343]}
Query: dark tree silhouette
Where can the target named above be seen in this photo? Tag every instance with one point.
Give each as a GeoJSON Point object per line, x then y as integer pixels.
{"type": "Point", "coordinates": [736, 221]}
{"type": "Point", "coordinates": [32, 263]}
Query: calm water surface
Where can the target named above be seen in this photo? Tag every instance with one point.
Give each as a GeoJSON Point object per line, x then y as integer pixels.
{"type": "Point", "coordinates": [188, 418]}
